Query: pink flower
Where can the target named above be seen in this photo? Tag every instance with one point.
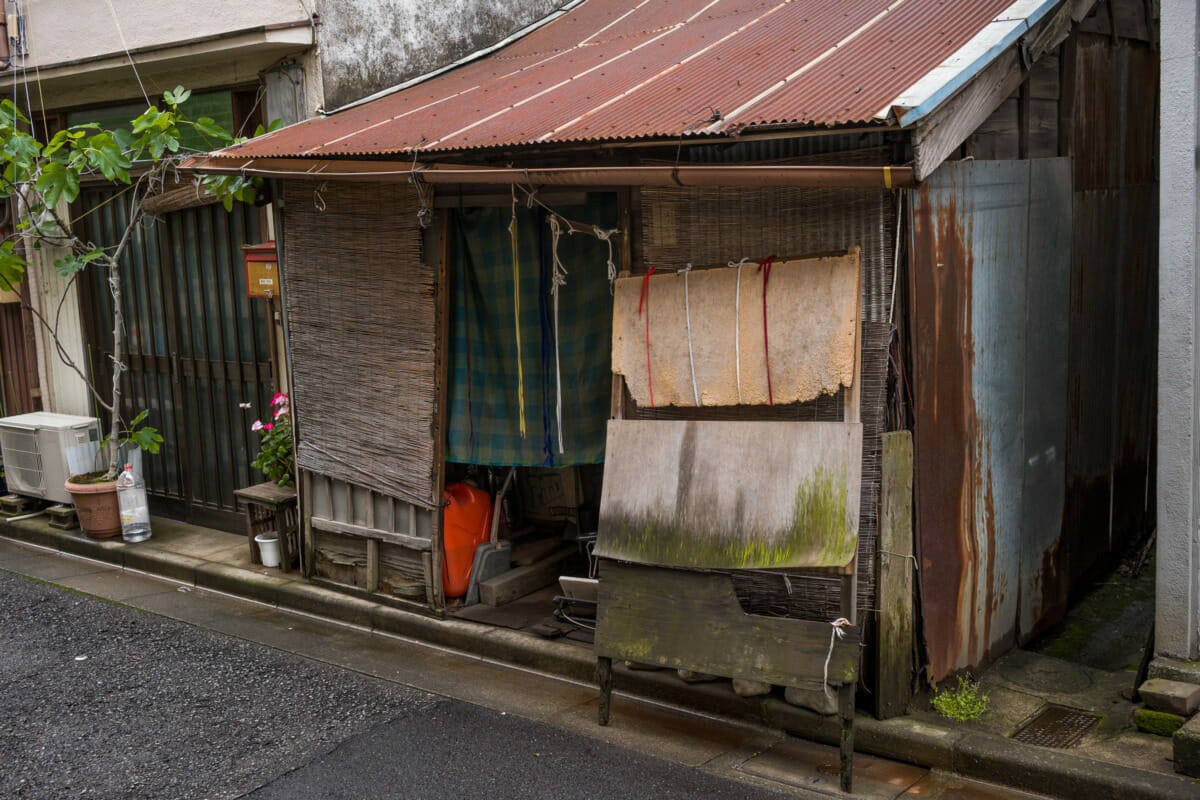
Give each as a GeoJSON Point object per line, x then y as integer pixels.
{"type": "Point", "coordinates": [279, 399]}
{"type": "Point", "coordinates": [281, 411]}
{"type": "Point", "coordinates": [257, 426]}
{"type": "Point", "coordinates": [268, 426]}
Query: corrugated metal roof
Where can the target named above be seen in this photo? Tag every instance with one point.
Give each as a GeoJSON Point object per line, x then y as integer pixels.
{"type": "Point", "coordinates": [624, 70]}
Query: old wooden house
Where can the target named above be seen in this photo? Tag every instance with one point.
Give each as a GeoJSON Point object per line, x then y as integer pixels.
{"type": "Point", "coordinates": [688, 266]}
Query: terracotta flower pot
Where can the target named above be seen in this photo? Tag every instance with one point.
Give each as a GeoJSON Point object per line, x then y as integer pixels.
{"type": "Point", "coordinates": [96, 507]}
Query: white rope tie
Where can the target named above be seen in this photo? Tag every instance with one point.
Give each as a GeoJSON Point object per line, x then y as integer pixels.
{"type": "Point", "coordinates": [606, 237]}
{"type": "Point", "coordinates": [687, 311]}
{"type": "Point", "coordinates": [737, 324]}
{"type": "Point", "coordinates": [835, 633]}
{"type": "Point", "coordinates": [558, 279]}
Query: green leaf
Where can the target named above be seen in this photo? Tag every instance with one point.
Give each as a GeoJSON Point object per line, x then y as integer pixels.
{"type": "Point", "coordinates": [12, 266]}
{"type": "Point", "coordinates": [177, 97]}
{"type": "Point", "coordinates": [103, 153]}
{"type": "Point", "coordinates": [147, 438]}
{"type": "Point", "coordinates": [70, 264]}
{"type": "Point", "coordinates": [140, 418]}
{"type": "Point", "coordinates": [58, 181]}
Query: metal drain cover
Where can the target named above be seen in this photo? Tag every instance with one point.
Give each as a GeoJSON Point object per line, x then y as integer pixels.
{"type": "Point", "coordinates": [1056, 726]}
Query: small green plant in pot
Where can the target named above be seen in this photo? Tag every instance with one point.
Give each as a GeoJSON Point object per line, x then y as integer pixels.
{"type": "Point", "coordinates": [275, 457]}
{"type": "Point", "coordinates": [963, 702]}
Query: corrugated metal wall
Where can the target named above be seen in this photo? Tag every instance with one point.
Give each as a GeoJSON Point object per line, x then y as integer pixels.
{"type": "Point", "coordinates": [990, 279]}
{"type": "Point", "coordinates": [1034, 441]}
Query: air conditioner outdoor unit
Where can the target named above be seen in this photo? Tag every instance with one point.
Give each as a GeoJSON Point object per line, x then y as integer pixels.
{"type": "Point", "coordinates": [34, 447]}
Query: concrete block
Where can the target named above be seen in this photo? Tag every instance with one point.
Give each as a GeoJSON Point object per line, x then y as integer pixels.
{"type": "Point", "coordinates": [1159, 723]}
{"type": "Point", "coordinates": [691, 676]}
{"type": "Point", "coordinates": [813, 699]}
{"type": "Point", "coordinates": [1173, 697]}
{"type": "Point", "coordinates": [1186, 746]}
{"type": "Point", "coordinates": [745, 688]}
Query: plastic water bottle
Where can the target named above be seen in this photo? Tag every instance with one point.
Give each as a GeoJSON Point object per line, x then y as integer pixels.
{"type": "Point", "coordinates": [135, 514]}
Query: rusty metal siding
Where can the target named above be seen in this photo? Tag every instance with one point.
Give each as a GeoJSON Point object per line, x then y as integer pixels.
{"type": "Point", "coordinates": [618, 69]}
{"type": "Point", "coordinates": [978, 278]}
{"type": "Point", "coordinates": [1113, 311]}
{"type": "Point", "coordinates": [1043, 585]}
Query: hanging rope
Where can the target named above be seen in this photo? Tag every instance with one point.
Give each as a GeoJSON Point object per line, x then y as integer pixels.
{"type": "Point", "coordinates": [737, 325]}
{"type": "Point", "coordinates": [765, 268]}
{"type": "Point", "coordinates": [687, 311]}
{"type": "Point", "coordinates": [835, 634]}
{"type": "Point", "coordinates": [645, 298]}
{"type": "Point", "coordinates": [606, 237]}
{"type": "Point", "coordinates": [558, 279]}
{"type": "Point", "coordinates": [512, 231]}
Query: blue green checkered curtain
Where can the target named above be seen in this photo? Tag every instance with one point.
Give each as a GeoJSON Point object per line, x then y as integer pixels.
{"type": "Point", "coordinates": [484, 418]}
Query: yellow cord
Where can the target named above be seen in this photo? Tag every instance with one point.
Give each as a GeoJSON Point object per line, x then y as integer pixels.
{"type": "Point", "coordinates": [512, 229]}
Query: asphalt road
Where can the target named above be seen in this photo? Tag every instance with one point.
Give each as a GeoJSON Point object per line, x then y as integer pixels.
{"type": "Point", "coordinates": [102, 700]}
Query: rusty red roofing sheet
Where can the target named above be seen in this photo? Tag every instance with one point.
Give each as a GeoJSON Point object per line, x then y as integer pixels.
{"type": "Point", "coordinates": [624, 69]}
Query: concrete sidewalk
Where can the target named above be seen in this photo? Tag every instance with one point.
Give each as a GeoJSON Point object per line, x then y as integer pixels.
{"type": "Point", "coordinates": [1112, 762]}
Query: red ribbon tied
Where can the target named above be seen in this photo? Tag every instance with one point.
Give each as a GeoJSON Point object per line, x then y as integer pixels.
{"type": "Point", "coordinates": [645, 299]}
{"type": "Point", "coordinates": [764, 267]}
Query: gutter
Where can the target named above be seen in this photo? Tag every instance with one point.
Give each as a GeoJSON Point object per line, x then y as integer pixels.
{"type": "Point", "coordinates": [690, 175]}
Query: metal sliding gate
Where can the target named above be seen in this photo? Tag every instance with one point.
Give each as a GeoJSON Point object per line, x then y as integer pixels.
{"type": "Point", "coordinates": [198, 349]}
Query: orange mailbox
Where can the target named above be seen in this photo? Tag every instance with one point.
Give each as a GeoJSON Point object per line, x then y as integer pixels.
{"type": "Point", "coordinates": [262, 270]}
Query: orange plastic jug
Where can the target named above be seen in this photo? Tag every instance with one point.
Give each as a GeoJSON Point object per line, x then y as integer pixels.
{"type": "Point", "coordinates": [467, 523]}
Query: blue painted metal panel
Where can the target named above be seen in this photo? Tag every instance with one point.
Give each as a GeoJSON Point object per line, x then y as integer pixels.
{"type": "Point", "coordinates": [1047, 313]}
{"type": "Point", "coordinates": [991, 255]}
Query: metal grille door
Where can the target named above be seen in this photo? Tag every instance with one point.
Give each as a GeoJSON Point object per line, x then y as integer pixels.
{"type": "Point", "coordinates": [197, 349]}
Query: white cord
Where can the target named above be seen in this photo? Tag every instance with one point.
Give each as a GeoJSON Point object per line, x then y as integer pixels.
{"type": "Point", "coordinates": [737, 325]}
{"type": "Point", "coordinates": [558, 278]}
{"type": "Point", "coordinates": [835, 633]}
{"type": "Point", "coordinates": [687, 310]}
{"type": "Point", "coordinates": [606, 237]}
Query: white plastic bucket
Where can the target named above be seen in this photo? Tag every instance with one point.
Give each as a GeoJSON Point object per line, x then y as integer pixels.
{"type": "Point", "coordinates": [268, 548]}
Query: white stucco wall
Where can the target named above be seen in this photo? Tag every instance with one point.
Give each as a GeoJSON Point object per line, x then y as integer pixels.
{"type": "Point", "coordinates": [1178, 562]}
{"type": "Point", "coordinates": [369, 45]}
{"type": "Point", "coordinates": [70, 30]}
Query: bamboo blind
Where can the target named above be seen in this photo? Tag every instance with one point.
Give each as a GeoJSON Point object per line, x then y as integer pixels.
{"type": "Point", "coordinates": [714, 226]}
{"type": "Point", "coordinates": [361, 316]}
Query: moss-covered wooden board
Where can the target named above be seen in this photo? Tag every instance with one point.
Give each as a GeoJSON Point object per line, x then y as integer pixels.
{"type": "Point", "coordinates": [692, 620]}
{"type": "Point", "coordinates": [731, 495]}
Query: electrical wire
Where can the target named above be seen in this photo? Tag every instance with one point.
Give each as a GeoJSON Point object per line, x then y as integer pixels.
{"type": "Point", "coordinates": [129, 55]}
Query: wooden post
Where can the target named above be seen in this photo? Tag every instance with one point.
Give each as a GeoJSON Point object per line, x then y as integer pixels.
{"type": "Point", "coordinates": [846, 714]}
{"type": "Point", "coordinates": [604, 678]}
{"type": "Point", "coordinates": [443, 378]}
{"type": "Point", "coordinates": [897, 576]}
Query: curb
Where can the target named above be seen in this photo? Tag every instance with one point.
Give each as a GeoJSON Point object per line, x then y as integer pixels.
{"type": "Point", "coordinates": [978, 756]}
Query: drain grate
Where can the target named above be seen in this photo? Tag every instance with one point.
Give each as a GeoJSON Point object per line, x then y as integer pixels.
{"type": "Point", "coordinates": [1056, 726]}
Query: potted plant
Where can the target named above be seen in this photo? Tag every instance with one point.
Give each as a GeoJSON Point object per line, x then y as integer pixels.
{"type": "Point", "coordinates": [275, 457]}
{"type": "Point", "coordinates": [41, 179]}
{"type": "Point", "coordinates": [95, 493]}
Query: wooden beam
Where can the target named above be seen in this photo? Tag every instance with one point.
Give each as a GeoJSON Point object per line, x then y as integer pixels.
{"type": "Point", "coordinates": [897, 579]}
{"type": "Point", "coordinates": [362, 531]}
{"type": "Point", "coordinates": [517, 583]}
{"type": "Point", "coordinates": [950, 125]}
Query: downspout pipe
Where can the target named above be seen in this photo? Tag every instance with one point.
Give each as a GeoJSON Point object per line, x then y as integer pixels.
{"type": "Point", "coordinates": [774, 175]}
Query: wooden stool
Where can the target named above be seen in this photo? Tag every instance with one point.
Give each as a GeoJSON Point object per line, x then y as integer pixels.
{"type": "Point", "coordinates": [271, 507]}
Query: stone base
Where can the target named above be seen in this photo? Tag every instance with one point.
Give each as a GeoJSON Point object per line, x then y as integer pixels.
{"type": "Point", "coordinates": [1186, 744]}
{"type": "Point", "coordinates": [813, 699]}
{"type": "Point", "coordinates": [1159, 723]}
{"type": "Point", "coordinates": [1173, 669]}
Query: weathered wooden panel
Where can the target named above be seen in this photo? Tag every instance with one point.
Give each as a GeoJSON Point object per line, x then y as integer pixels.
{"type": "Point", "coordinates": [731, 495]}
{"type": "Point", "coordinates": [691, 620]}
{"type": "Point", "coordinates": [897, 579]}
{"type": "Point", "coordinates": [711, 322]}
